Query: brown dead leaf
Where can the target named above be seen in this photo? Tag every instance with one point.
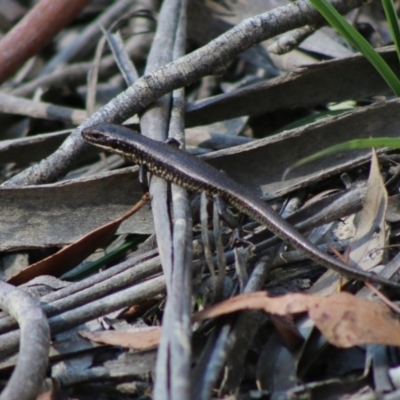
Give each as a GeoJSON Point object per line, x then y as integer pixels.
{"type": "Point", "coordinates": [49, 395]}
{"type": "Point", "coordinates": [369, 240]}
{"type": "Point", "coordinates": [345, 320]}
{"type": "Point", "coordinates": [70, 256]}
{"type": "Point", "coordinates": [366, 248]}
{"type": "Point", "coordinates": [140, 340]}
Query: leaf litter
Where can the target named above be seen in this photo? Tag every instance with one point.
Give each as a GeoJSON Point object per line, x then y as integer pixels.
{"type": "Point", "coordinates": [344, 319]}
{"type": "Point", "coordinates": [250, 88]}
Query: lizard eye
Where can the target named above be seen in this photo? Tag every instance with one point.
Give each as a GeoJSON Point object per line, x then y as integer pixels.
{"type": "Point", "coordinates": [95, 135]}
{"type": "Point", "coordinates": [90, 134]}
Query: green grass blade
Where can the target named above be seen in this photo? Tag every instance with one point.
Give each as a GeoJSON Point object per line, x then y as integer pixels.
{"type": "Point", "coordinates": [358, 41]}
{"type": "Point", "coordinates": [393, 22]}
{"type": "Point", "coordinates": [131, 242]}
{"type": "Point", "coordinates": [355, 144]}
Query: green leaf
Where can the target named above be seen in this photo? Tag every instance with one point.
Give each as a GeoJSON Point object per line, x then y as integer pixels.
{"type": "Point", "coordinates": [77, 274]}
{"type": "Point", "coordinates": [358, 41]}
{"type": "Point", "coordinates": [355, 144]}
{"type": "Point", "coordinates": [393, 22]}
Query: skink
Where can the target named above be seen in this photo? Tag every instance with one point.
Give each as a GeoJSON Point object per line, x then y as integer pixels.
{"type": "Point", "coordinates": [183, 169]}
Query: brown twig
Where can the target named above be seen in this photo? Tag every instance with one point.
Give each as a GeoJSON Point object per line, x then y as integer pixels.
{"type": "Point", "coordinates": [34, 31]}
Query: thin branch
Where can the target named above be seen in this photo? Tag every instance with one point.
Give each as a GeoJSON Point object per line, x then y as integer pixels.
{"type": "Point", "coordinates": [30, 371]}
{"type": "Point", "coordinates": [38, 109]}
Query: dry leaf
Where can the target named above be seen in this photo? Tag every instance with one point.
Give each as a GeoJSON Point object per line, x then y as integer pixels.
{"type": "Point", "coordinates": [344, 319]}
{"type": "Point", "coordinates": [49, 395]}
{"type": "Point", "coordinates": [370, 237]}
{"type": "Point", "coordinates": [271, 95]}
{"type": "Point", "coordinates": [60, 213]}
{"type": "Point", "coordinates": [72, 255]}
{"type": "Point", "coordinates": [366, 249]}
{"type": "Point", "coordinates": [142, 339]}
